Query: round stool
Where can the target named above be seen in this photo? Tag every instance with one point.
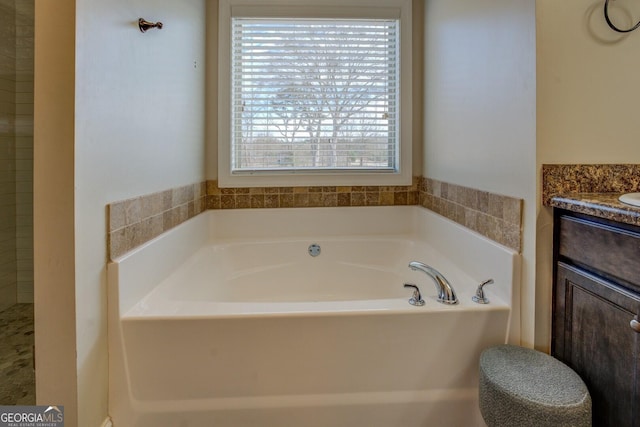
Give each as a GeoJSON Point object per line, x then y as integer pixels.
{"type": "Point", "coordinates": [524, 387]}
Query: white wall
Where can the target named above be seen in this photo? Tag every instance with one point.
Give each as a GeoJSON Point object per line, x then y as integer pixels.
{"type": "Point", "coordinates": [138, 128]}
{"type": "Point", "coordinates": [587, 96]}
{"type": "Point", "coordinates": [479, 118]}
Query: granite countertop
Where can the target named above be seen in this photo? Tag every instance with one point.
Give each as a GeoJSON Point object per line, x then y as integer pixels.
{"type": "Point", "coordinates": [601, 205]}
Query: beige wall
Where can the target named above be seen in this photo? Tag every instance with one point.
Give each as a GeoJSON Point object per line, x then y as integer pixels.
{"type": "Point", "coordinates": [479, 118]}
{"type": "Point", "coordinates": [588, 87]}
{"type": "Point", "coordinates": [130, 121]}
{"type": "Point", "coordinates": [54, 226]}
{"type": "Point", "coordinates": [587, 92]}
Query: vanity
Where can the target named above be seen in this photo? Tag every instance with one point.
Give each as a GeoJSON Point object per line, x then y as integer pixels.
{"type": "Point", "coordinates": [596, 301]}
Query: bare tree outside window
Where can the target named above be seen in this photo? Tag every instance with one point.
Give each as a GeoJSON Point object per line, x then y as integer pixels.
{"type": "Point", "coordinates": [314, 94]}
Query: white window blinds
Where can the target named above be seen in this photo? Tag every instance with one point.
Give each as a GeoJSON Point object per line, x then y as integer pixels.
{"type": "Point", "coordinates": [314, 94]}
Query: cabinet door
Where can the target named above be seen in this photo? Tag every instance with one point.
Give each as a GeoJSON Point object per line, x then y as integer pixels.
{"type": "Point", "coordinates": [600, 344]}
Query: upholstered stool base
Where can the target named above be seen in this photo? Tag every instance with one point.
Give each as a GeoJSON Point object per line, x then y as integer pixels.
{"type": "Point", "coordinates": [523, 387]}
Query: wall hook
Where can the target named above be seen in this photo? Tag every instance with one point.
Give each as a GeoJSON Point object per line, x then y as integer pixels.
{"type": "Point", "coordinates": [144, 25]}
{"type": "Point", "coordinates": [612, 25]}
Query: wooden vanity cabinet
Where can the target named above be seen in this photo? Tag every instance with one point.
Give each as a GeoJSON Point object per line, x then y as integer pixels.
{"type": "Point", "coordinates": [596, 302]}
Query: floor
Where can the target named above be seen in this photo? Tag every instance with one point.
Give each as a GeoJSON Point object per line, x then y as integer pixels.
{"type": "Point", "coordinates": [17, 377]}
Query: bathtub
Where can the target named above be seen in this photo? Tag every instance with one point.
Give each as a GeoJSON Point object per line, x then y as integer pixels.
{"type": "Point", "coordinates": [228, 320]}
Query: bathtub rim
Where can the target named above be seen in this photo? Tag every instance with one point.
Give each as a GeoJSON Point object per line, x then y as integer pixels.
{"type": "Point", "coordinates": [175, 246]}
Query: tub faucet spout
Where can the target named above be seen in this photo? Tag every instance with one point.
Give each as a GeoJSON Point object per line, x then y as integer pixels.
{"type": "Point", "coordinates": [446, 294]}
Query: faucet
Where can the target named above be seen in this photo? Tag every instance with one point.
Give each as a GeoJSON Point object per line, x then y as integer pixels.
{"type": "Point", "coordinates": [446, 294]}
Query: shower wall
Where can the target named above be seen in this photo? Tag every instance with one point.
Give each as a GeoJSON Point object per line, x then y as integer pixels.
{"type": "Point", "coordinates": [16, 152]}
{"type": "Point", "coordinates": [24, 149]}
{"type": "Point", "coordinates": [8, 241]}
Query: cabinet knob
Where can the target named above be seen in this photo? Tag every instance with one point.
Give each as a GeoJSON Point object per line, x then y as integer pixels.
{"type": "Point", "coordinates": [635, 325]}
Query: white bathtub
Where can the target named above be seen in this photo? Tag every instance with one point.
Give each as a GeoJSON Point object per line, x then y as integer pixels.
{"type": "Point", "coordinates": [228, 321]}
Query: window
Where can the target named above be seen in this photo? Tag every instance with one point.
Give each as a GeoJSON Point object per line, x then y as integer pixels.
{"type": "Point", "coordinates": [314, 95]}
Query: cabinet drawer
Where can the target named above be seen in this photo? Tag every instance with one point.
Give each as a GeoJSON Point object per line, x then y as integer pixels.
{"type": "Point", "coordinates": [608, 250]}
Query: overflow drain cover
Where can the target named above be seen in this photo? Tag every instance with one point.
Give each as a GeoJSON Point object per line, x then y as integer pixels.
{"type": "Point", "coordinates": [314, 249]}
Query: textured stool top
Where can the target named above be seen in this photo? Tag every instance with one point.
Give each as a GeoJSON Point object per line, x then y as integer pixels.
{"type": "Point", "coordinates": [533, 376]}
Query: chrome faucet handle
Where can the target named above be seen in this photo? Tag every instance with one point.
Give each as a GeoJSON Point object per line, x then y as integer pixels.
{"type": "Point", "coordinates": [416, 299]}
{"type": "Point", "coordinates": [479, 296]}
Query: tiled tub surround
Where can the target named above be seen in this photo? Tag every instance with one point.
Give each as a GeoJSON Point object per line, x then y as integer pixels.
{"type": "Point", "coordinates": [592, 189]}
{"type": "Point", "coordinates": [493, 215]}
{"type": "Point", "coordinates": [135, 221]}
{"type": "Point", "coordinates": [303, 197]}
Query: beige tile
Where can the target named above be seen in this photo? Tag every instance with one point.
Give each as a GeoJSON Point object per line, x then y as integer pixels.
{"type": "Point", "coordinates": [152, 204]}
{"type": "Point", "coordinates": [372, 198]}
{"type": "Point", "coordinates": [436, 187]}
{"type": "Point", "coordinates": [412, 197]}
{"type": "Point", "coordinates": [132, 211]}
{"type": "Point", "coordinates": [386, 198]}
{"type": "Point", "coordinates": [243, 201]}
{"type": "Point", "coordinates": [212, 188]}
{"type": "Point", "coordinates": [471, 219]}
{"type": "Point", "coordinates": [167, 200]}
{"type": "Point", "coordinates": [483, 202]}
{"type": "Point", "coordinates": [471, 198]}
{"type": "Point", "coordinates": [301, 200]}
{"type": "Point", "coordinates": [182, 213]}
{"type": "Point", "coordinates": [511, 237]}
{"type": "Point", "coordinates": [271, 201]}
{"type": "Point", "coordinates": [180, 196]}
{"type": "Point", "coordinates": [227, 201]}
{"type": "Point", "coordinates": [344, 199]}
{"type": "Point", "coordinates": [257, 201]}
{"type": "Point", "coordinates": [117, 243]}
{"type": "Point", "coordinates": [315, 199]}
{"type": "Point", "coordinates": [330, 200]}
{"type": "Point", "coordinates": [286, 200]}
{"type": "Point", "coordinates": [167, 220]}
{"type": "Point", "coordinates": [357, 199]}
{"type": "Point", "coordinates": [496, 205]}
{"type": "Point", "coordinates": [213, 202]}
{"type": "Point", "coordinates": [133, 236]}
{"type": "Point", "coordinates": [116, 216]}
{"type": "Point", "coordinates": [512, 211]}
{"type": "Point", "coordinates": [400, 198]}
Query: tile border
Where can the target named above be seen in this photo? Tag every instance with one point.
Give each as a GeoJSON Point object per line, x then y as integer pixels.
{"type": "Point", "coordinates": [303, 197]}
{"type": "Point", "coordinates": [493, 215]}
{"type": "Point", "coordinates": [132, 222]}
